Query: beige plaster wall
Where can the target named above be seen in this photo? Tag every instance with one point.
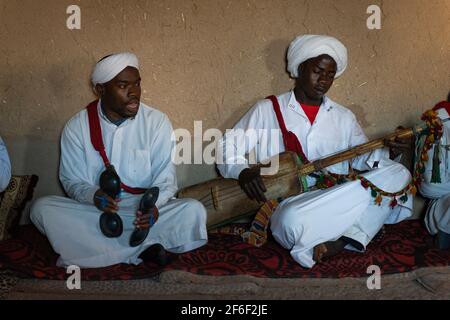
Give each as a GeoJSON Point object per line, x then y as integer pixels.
{"type": "Point", "coordinates": [209, 60]}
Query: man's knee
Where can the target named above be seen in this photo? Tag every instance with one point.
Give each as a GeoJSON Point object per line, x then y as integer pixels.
{"type": "Point", "coordinates": [285, 224]}
{"type": "Point", "coordinates": [195, 210]}
{"type": "Point", "coordinates": [285, 216]}
{"type": "Point", "coordinates": [39, 209]}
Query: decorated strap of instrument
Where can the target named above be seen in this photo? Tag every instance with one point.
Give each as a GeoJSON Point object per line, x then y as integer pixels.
{"type": "Point", "coordinates": [428, 137]}
{"type": "Point", "coordinates": [257, 235]}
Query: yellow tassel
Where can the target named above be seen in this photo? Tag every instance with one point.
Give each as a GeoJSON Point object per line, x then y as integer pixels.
{"type": "Point", "coordinates": [413, 190]}
{"type": "Point", "coordinates": [378, 199]}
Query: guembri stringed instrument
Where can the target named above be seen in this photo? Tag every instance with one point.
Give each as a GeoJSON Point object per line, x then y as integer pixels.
{"type": "Point", "coordinates": [225, 201]}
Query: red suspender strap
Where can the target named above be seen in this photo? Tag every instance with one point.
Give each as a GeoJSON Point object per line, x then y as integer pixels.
{"type": "Point", "coordinates": [443, 105]}
{"type": "Point", "coordinates": [290, 140]}
{"type": "Point", "coordinates": [97, 142]}
{"type": "Point", "coordinates": [96, 131]}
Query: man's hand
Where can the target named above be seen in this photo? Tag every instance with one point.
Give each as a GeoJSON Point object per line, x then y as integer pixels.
{"type": "Point", "coordinates": [251, 182]}
{"type": "Point", "coordinates": [105, 203]}
{"type": "Point", "coordinates": [145, 221]}
{"type": "Point", "coordinates": [398, 145]}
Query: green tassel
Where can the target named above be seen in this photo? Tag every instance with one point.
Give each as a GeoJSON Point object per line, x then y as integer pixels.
{"type": "Point", "coordinates": [436, 172]}
{"type": "Point", "coordinates": [420, 142]}
{"type": "Point", "coordinates": [374, 193]}
{"type": "Point", "coordinates": [304, 183]}
{"type": "Point", "coordinates": [302, 179]}
{"type": "Point", "coordinates": [404, 198]}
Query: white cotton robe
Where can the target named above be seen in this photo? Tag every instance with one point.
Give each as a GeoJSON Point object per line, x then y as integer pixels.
{"type": "Point", "coordinates": [5, 166]}
{"type": "Point", "coordinates": [438, 211]}
{"type": "Point", "coordinates": [140, 150]}
{"type": "Point", "coordinates": [301, 222]}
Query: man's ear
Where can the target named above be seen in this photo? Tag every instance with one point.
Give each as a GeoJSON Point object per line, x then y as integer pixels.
{"type": "Point", "coordinates": [99, 90]}
{"type": "Point", "coordinates": [301, 68]}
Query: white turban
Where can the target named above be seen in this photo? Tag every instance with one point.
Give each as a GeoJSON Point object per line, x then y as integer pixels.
{"type": "Point", "coordinates": [106, 69]}
{"type": "Point", "coordinates": [311, 46]}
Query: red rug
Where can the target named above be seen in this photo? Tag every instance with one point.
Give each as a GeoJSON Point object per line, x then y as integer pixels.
{"type": "Point", "coordinates": [405, 247]}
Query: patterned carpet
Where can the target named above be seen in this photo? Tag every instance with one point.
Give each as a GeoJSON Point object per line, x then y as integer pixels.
{"type": "Point", "coordinates": [404, 247]}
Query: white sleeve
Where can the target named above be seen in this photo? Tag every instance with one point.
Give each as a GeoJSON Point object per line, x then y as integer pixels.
{"type": "Point", "coordinates": [72, 169]}
{"type": "Point", "coordinates": [368, 160]}
{"type": "Point", "coordinates": [232, 149]}
{"type": "Point", "coordinates": [5, 167]}
{"type": "Point", "coordinates": [163, 169]}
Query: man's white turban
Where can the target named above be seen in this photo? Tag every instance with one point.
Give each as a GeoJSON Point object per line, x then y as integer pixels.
{"type": "Point", "coordinates": [106, 69]}
{"type": "Point", "coordinates": [311, 46]}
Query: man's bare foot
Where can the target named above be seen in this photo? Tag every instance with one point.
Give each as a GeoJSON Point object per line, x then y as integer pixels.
{"type": "Point", "coordinates": [328, 249]}
{"type": "Point", "coordinates": [319, 252]}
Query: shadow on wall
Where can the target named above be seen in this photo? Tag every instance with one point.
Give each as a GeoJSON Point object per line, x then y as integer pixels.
{"type": "Point", "coordinates": [276, 62]}
{"type": "Point", "coordinates": [275, 58]}
{"type": "Point", "coordinates": [38, 151]}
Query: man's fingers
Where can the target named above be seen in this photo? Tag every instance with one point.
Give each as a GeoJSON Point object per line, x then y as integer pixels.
{"type": "Point", "coordinates": [143, 226]}
{"type": "Point", "coordinates": [261, 184]}
{"type": "Point", "coordinates": [143, 218]}
{"type": "Point", "coordinates": [398, 144]}
{"type": "Point", "coordinates": [109, 210]}
{"type": "Point", "coordinates": [142, 221]}
{"type": "Point", "coordinates": [253, 191]}
{"type": "Point", "coordinates": [248, 191]}
{"type": "Point", "coordinates": [259, 192]}
{"type": "Point", "coordinates": [111, 201]}
{"type": "Point", "coordinates": [112, 206]}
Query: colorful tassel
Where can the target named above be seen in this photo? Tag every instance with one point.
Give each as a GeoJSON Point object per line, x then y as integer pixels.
{"type": "Point", "coordinates": [257, 235]}
{"type": "Point", "coordinates": [365, 184]}
{"type": "Point", "coordinates": [374, 193]}
{"type": "Point", "coordinates": [404, 198]}
{"type": "Point", "coordinates": [393, 203]}
{"type": "Point", "coordinates": [413, 190]}
{"type": "Point", "coordinates": [378, 200]}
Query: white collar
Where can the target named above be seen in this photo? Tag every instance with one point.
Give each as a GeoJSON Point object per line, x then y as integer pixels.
{"type": "Point", "coordinates": [295, 106]}
{"type": "Point", "coordinates": [105, 118]}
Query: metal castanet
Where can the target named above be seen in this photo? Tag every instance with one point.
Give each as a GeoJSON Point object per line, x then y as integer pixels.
{"type": "Point", "coordinates": [225, 201]}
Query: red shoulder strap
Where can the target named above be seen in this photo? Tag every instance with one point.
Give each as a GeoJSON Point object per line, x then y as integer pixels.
{"type": "Point", "coordinates": [95, 131]}
{"type": "Point", "coordinates": [290, 140]}
{"type": "Point", "coordinates": [443, 105]}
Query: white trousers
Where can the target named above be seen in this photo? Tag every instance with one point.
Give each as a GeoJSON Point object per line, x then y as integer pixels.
{"type": "Point", "coordinates": [438, 215]}
{"type": "Point", "coordinates": [302, 222]}
{"type": "Point", "coordinates": [74, 232]}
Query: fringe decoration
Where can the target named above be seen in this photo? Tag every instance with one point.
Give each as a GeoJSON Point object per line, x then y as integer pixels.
{"type": "Point", "coordinates": [257, 235]}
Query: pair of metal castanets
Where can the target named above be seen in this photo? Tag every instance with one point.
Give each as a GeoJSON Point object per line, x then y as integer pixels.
{"type": "Point", "coordinates": [111, 224]}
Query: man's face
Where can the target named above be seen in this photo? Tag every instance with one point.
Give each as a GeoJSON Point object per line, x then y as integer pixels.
{"type": "Point", "coordinates": [121, 96]}
{"type": "Point", "coordinates": [316, 76]}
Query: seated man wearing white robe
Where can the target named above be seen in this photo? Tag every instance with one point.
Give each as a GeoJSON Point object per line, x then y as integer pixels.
{"type": "Point", "coordinates": [320, 223]}
{"type": "Point", "coordinates": [137, 141]}
{"type": "Point", "coordinates": [437, 218]}
{"type": "Point", "coordinates": [5, 166]}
